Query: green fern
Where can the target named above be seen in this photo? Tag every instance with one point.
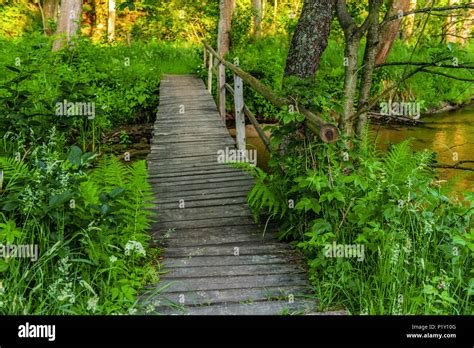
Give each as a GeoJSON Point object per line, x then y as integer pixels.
{"type": "Point", "coordinates": [110, 173]}
{"type": "Point", "coordinates": [398, 162]}
{"type": "Point", "coordinates": [136, 200]}
{"type": "Point", "coordinates": [14, 172]}
{"type": "Point", "coordinates": [265, 195]}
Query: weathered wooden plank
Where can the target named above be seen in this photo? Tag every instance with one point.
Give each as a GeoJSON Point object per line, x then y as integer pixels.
{"type": "Point", "coordinates": [209, 199]}
{"type": "Point", "coordinates": [210, 184]}
{"type": "Point", "coordinates": [228, 271]}
{"type": "Point", "coordinates": [181, 239]}
{"type": "Point", "coordinates": [298, 307]}
{"type": "Point", "coordinates": [188, 180]}
{"type": "Point", "coordinates": [234, 282]}
{"type": "Point", "coordinates": [213, 222]}
{"type": "Point", "coordinates": [229, 250]}
{"type": "Point", "coordinates": [207, 193]}
{"type": "Point", "coordinates": [173, 262]}
{"type": "Point", "coordinates": [195, 173]}
{"type": "Point", "coordinates": [205, 213]}
{"type": "Point", "coordinates": [208, 297]}
{"type": "Point", "coordinates": [177, 204]}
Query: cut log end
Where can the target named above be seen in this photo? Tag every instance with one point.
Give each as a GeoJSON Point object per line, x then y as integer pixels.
{"type": "Point", "coordinates": [329, 133]}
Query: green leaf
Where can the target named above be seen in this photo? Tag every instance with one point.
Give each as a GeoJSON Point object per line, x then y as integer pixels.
{"type": "Point", "coordinates": [75, 156]}
{"type": "Point", "coordinates": [116, 192]}
{"type": "Point", "coordinates": [3, 266]}
{"type": "Point", "coordinates": [12, 69]}
{"type": "Point", "coordinates": [58, 200]}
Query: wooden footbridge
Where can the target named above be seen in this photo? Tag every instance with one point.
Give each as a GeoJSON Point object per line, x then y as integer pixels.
{"type": "Point", "coordinates": [216, 259]}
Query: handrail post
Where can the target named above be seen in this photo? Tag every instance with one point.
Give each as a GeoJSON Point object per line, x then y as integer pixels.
{"type": "Point", "coordinates": [209, 74]}
{"type": "Point", "coordinates": [205, 57]}
{"type": "Point", "coordinates": [239, 112]}
{"type": "Point", "coordinates": [221, 90]}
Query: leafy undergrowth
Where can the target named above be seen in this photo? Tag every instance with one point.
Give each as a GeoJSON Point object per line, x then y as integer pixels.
{"type": "Point", "coordinates": [380, 234]}
{"type": "Point", "coordinates": [119, 84]}
{"type": "Point", "coordinates": [90, 228]}
{"type": "Point", "coordinates": [83, 212]}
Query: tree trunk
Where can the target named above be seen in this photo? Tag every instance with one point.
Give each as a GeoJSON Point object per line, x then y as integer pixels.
{"type": "Point", "coordinates": [371, 48]}
{"type": "Point", "coordinates": [346, 121]}
{"type": "Point", "coordinates": [69, 23]}
{"type": "Point", "coordinates": [310, 38]}
{"type": "Point", "coordinates": [111, 20]}
{"type": "Point", "coordinates": [409, 21]}
{"type": "Point", "coordinates": [225, 20]}
{"type": "Point", "coordinates": [257, 15]}
{"type": "Point", "coordinates": [50, 8]}
{"type": "Point", "coordinates": [391, 29]}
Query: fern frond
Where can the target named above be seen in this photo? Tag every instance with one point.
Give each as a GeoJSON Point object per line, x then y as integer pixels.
{"type": "Point", "coordinates": [13, 172]}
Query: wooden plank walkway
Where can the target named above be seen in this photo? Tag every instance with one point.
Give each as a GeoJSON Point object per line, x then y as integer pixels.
{"type": "Point", "coordinates": [216, 259]}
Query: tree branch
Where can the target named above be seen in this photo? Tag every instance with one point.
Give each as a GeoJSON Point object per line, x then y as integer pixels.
{"type": "Point", "coordinates": [459, 66]}
{"type": "Point", "coordinates": [428, 9]}
{"type": "Point", "coordinates": [346, 20]}
{"type": "Point", "coordinates": [445, 75]}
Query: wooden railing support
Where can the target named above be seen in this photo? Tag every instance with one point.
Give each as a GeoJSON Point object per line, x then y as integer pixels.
{"type": "Point", "coordinates": [209, 74]}
{"type": "Point", "coordinates": [221, 91]}
{"type": "Point", "coordinates": [327, 131]}
{"type": "Point", "coordinates": [239, 113]}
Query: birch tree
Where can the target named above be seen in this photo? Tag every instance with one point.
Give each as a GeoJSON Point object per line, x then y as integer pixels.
{"type": "Point", "coordinates": [69, 23]}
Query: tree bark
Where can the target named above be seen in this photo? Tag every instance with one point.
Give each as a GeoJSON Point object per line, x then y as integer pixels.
{"type": "Point", "coordinates": [50, 8]}
{"type": "Point", "coordinates": [257, 15]}
{"type": "Point", "coordinates": [111, 20]}
{"type": "Point", "coordinates": [310, 38]}
{"type": "Point", "coordinates": [225, 20]}
{"type": "Point", "coordinates": [391, 29]}
{"type": "Point", "coordinates": [371, 48]}
{"type": "Point", "coordinates": [69, 23]}
{"type": "Point", "coordinates": [350, 84]}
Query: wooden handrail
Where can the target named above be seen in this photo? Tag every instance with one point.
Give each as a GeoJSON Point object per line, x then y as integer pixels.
{"type": "Point", "coordinates": [327, 131]}
{"type": "Point", "coordinates": [254, 121]}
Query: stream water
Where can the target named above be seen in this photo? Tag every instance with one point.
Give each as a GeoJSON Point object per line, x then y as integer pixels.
{"type": "Point", "coordinates": [450, 134]}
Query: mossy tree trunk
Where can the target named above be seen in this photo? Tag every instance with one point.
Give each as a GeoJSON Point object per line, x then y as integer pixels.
{"type": "Point", "coordinates": [310, 38]}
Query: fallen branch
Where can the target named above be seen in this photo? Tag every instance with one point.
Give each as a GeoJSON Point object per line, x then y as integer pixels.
{"type": "Point", "coordinates": [456, 165]}
{"type": "Point", "coordinates": [397, 118]}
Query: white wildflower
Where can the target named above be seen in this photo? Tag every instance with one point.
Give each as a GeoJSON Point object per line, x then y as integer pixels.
{"type": "Point", "coordinates": [133, 246]}
{"type": "Point", "coordinates": [150, 308]}
{"type": "Point", "coordinates": [92, 303]}
{"type": "Point", "coordinates": [395, 254]}
{"type": "Point", "coordinates": [113, 259]}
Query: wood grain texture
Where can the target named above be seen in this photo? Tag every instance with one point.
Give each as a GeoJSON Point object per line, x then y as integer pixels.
{"type": "Point", "coordinates": [216, 259]}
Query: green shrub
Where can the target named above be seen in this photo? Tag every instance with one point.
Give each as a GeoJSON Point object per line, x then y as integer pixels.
{"type": "Point", "coordinates": [417, 241]}
{"type": "Point", "coordinates": [90, 228]}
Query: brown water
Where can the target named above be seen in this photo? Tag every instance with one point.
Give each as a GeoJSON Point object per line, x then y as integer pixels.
{"type": "Point", "coordinates": [450, 134]}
